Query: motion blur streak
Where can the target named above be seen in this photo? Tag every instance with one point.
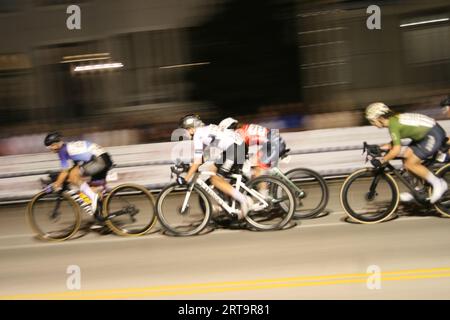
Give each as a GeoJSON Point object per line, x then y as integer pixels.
{"type": "Point", "coordinates": [286, 64]}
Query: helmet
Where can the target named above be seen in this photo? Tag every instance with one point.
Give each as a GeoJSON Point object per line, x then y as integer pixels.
{"type": "Point", "coordinates": [376, 110]}
{"type": "Point", "coordinates": [445, 102]}
{"type": "Point", "coordinates": [52, 137]}
{"type": "Point", "coordinates": [227, 123]}
{"type": "Point", "coordinates": [191, 121]}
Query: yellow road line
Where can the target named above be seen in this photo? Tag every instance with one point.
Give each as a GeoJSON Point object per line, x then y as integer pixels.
{"type": "Point", "coordinates": [170, 290]}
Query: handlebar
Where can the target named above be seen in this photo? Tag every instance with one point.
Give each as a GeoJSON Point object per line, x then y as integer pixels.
{"type": "Point", "coordinates": [372, 151]}
{"type": "Point", "coordinates": [179, 168]}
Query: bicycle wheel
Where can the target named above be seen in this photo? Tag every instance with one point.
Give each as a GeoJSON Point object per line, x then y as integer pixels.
{"type": "Point", "coordinates": [281, 202]}
{"type": "Point", "coordinates": [54, 216]}
{"type": "Point", "coordinates": [443, 205]}
{"type": "Point", "coordinates": [315, 192]}
{"type": "Point", "coordinates": [190, 222]}
{"type": "Point", "coordinates": [129, 210]}
{"type": "Point", "coordinates": [365, 206]}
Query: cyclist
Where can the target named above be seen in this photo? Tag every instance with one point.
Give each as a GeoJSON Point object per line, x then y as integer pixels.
{"type": "Point", "coordinates": [270, 145]}
{"type": "Point", "coordinates": [427, 137]}
{"type": "Point", "coordinates": [232, 153]}
{"type": "Point", "coordinates": [90, 160]}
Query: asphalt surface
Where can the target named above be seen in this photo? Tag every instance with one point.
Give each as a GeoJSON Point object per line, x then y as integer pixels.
{"type": "Point", "coordinates": [323, 258]}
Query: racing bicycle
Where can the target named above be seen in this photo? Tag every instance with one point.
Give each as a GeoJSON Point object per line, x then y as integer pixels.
{"type": "Point", "coordinates": [127, 210]}
{"type": "Point", "coordinates": [372, 195]}
{"type": "Point", "coordinates": [186, 210]}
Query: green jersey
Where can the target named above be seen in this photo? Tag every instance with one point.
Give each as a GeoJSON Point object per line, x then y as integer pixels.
{"type": "Point", "coordinates": [409, 125]}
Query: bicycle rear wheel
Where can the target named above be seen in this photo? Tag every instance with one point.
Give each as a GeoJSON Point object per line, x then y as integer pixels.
{"type": "Point", "coordinates": [281, 202]}
{"type": "Point", "coordinates": [364, 205]}
{"type": "Point", "coordinates": [315, 192]}
{"type": "Point", "coordinates": [443, 205]}
{"type": "Point", "coordinates": [129, 210]}
{"type": "Point", "coordinates": [190, 222]}
{"type": "Point", "coordinates": [54, 216]}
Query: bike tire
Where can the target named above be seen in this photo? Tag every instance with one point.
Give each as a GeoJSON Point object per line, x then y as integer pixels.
{"type": "Point", "coordinates": [325, 194]}
{"type": "Point", "coordinates": [171, 227]}
{"type": "Point", "coordinates": [361, 217]}
{"type": "Point", "coordinates": [117, 225]}
{"type": "Point", "coordinates": [47, 236]}
{"type": "Point", "coordinates": [289, 212]}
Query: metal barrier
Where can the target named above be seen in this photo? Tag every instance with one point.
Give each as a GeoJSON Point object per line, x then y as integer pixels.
{"type": "Point", "coordinates": [19, 175]}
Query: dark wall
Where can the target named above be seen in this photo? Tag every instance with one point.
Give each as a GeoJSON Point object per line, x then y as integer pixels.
{"type": "Point", "coordinates": [252, 49]}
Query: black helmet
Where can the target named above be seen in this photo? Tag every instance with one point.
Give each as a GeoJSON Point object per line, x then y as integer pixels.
{"type": "Point", "coordinates": [52, 137]}
{"type": "Point", "coordinates": [445, 102]}
{"type": "Point", "coordinates": [191, 121]}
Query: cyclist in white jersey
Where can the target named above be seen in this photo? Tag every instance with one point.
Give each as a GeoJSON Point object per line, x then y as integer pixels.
{"type": "Point", "coordinates": [89, 159]}
{"type": "Point", "coordinates": [232, 153]}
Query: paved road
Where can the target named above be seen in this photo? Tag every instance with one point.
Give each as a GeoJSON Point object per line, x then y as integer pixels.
{"type": "Point", "coordinates": [322, 258]}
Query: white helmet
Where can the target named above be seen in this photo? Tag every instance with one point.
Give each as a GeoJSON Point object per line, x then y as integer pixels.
{"type": "Point", "coordinates": [226, 123]}
{"type": "Point", "coordinates": [376, 110]}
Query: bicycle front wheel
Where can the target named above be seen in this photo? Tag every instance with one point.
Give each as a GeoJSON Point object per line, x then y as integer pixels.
{"type": "Point", "coordinates": [53, 217]}
{"type": "Point", "coordinates": [311, 192]}
{"type": "Point", "coordinates": [369, 197]}
{"type": "Point", "coordinates": [129, 210]}
{"type": "Point", "coordinates": [195, 216]}
{"type": "Point", "coordinates": [280, 200]}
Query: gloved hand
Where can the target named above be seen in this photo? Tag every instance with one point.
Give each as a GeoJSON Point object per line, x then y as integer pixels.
{"type": "Point", "coordinates": [48, 188]}
{"type": "Point", "coordinates": [181, 181]}
{"type": "Point", "coordinates": [376, 163]}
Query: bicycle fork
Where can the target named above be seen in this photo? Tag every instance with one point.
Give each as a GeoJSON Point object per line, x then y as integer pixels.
{"type": "Point", "coordinates": [373, 186]}
{"type": "Point", "coordinates": [185, 205]}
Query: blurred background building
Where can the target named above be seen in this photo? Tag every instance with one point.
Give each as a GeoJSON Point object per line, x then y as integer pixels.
{"type": "Point", "coordinates": [288, 64]}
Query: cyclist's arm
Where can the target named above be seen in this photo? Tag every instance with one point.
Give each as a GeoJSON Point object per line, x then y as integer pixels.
{"type": "Point", "coordinates": [198, 156]}
{"type": "Point", "coordinates": [61, 178]}
{"type": "Point", "coordinates": [396, 145]}
{"type": "Point", "coordinates": [64, 158]}
{"type": "Point", "coordinates": [193, 169]}
{"type": "Point", "coordinates": [386, 146]}
{"type": "Point", "coordinates": [393, 153]}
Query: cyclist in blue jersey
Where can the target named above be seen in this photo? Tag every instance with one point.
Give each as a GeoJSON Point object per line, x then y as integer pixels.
{"type": "Point", "coordinates": [89, 160]}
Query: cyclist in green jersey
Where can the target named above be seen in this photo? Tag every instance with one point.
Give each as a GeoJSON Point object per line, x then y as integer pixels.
{"type": "Point", "coordinates": [427, 137]}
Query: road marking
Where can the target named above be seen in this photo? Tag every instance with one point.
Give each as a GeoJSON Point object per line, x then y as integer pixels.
{"type": "Point", "coordinates": [245, 285]}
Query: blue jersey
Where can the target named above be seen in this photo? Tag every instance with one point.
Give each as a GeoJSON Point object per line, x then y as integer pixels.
{"type": "Point", "coordinates": [78, 151]}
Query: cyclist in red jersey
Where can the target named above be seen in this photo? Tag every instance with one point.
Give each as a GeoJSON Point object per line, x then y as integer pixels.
{"type": "Point", "coordinates": [268, 142]}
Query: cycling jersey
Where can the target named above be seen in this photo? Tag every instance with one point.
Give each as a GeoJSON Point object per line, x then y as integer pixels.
{"type": "Point", "coordinates": [212, 136]}
{"type": "Point", "coordinates": [269, 143]}
{"type": "Point", "coordinates": [409, 125]}
{"type": "Point", "coordinates": [79, 152]}
{"type": "Point", "coordinates": [253, 134]}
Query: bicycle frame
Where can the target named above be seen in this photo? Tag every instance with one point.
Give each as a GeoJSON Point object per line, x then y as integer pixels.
{"type": "Point", "coordinates": [417, 195]}
{"type": "Point", "coordinates": [230, 209]}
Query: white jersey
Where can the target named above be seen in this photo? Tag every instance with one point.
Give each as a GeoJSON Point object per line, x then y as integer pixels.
{"type": "Point", "coordinates": [78, 151]}
{"type": "Point", "coordinates": [212, 135]}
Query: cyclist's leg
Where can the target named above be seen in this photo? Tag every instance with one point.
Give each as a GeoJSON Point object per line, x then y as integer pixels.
{"type": "Point", "coordinates": [93, 168]}
{"type": "Point", "coordinates": [222, 168]}
{"type": "Point", "coordinates": [421, 150]}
